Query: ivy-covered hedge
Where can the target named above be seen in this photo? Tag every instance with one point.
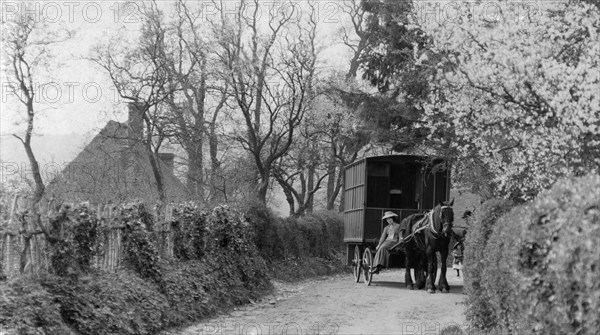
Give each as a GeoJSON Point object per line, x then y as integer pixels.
{"type": "Point", "coordinates": [218, 261]}
{"type": "Point", "coordinates": [215, 265]}
{"type": "Point", "coordinates": [140, 252]}
{"type": "Point", "coordinates": [266, 238]}
{"type": "Point", "coordinates": [314, 235]}
{"type": "Point", "coordinates": [26, 307]}
{"type": "Point", "coordinates": [110, 303]}
{"type": "Point", "coordinates": [541, 263]}
{"type": "Point", "coordinates": [189, 228]}
{"type": "Point", "coordinates": [74, 238]}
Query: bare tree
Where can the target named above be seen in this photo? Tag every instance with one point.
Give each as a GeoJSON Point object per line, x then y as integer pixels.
{"type": "Point", "coordinates": [200, 96]}
{"type": "Point", "coordinates": [26, 50]}
{"type": "Point", "coordinates": [299, 174]}
{"type": "Point", "coordinates": [140, 76]}
{"type": "Point", "coordinates": [341, 135]}
{"type": "Point", "coordinates": [26, 45]}
{"type": "Point", "coordinates": [270, 81]}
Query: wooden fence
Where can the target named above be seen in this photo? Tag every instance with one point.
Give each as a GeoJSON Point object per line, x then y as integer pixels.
{"type": "Point", "coordinates": [16, 258]}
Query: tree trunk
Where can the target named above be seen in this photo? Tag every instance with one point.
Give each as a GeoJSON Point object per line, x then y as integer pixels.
{"type": "Point", "coordinates": [262, 188]}
{"type": "Point", "coordinates": [155, 163]}
{"type": "Point", "coordinates": [310, 185]}
{"type": "Point", "coordinates": [338, 184]}
{"type": "Point", "coordinates": [26, 241]}
{"type": "Point", "coordinates": [35, 167]}
{"type": "Point", "coordinates": [289, 197]}
{"type": "Point", "coordinates": [331, 195]}
{"type": "Point", "coordinates": [215, 165]}
{"type": "Point", "coordinates": [342, 196]}
{"type": "Point", "coordinates": [158, 176]}
{"type": "Point", "coordinates": [37, 177]}
{"type": "Point", "coordinates": [353, 67]}
{"type": "Point", "coordinates": [195, 175]}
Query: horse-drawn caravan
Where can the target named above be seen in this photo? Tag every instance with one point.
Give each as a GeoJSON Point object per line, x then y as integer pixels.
{"type": "Point", "coordinates": [402, 184]}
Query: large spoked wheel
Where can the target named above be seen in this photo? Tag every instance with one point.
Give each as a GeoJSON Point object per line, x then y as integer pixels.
{"type": "Point", "coordinates": [367, 263]}
{"type": "Point", "coordinates": [356, 264]}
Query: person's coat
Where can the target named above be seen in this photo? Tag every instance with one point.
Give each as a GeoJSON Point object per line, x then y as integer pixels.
{"type": "Point", "coordinates": [394, 229]}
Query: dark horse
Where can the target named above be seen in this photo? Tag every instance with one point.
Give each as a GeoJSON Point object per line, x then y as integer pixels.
{"type": "Point", "coordinates": [426, 234]}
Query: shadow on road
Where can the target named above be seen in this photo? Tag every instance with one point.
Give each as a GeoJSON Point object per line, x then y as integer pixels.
{"type": "Point", "coordinates": [393, 284]}
{"type": "Point", "coordinates": [454, 288]}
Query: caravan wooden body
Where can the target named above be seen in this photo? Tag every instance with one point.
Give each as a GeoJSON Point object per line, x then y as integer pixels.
{"type": "Point", "coordinates": [403, 184]}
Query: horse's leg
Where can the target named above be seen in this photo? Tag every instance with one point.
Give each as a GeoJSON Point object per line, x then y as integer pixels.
{"type": "Point", "coordinates": [435, 267]}
{"type": "Point", "coordinates": [421, 270]}
{"type": "Point", "coordinates": [410, 261]}
{"type": "Point", "coordinates": [431, 269]}
{"type": "Point", "coordinates": [444, 287]}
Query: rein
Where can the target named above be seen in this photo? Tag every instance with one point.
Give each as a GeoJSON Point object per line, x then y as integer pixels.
{"type": "Point", "coordinates": [429, 225]}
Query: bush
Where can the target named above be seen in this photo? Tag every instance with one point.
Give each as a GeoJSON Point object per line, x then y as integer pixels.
{"type": "Point", "coordinates": [478, 310]}
{"type": "Point", "coordinates": [295, 243]}
{"type": "Point", "coordinates": [123, 302]}
{"type": "Point", "coordinates": [452, 330]}
{"type": "Point", "coordinates": [28, 308]}
{"type": "Point", "coordinates": [188, 226]}
{"type": "Point", "coordinates": [266, 237]}
{"type": "Point", "coordinates": [111, 303]}
{"type": "Point", "coordinates": [314, 231]}
{"type": "Point", "coordinates": [188, 288]}
{"type": "Point", "coordinates": [500, 283]}
{"type": "Point", "coordinates": [541, 269]}
{"type": "Point", "coordinates": [315, 235]}
{"type": "Point", "coordinates": [197, 289]}
{"type": "Point", "coordinates": [334, 226]}
{"type": "Point", "coordinates": [553, 261]}
{"type": "Point", "coordinates": [73, 240]}
{"type": "Point", "coordinates": [139, 247]}
{"type": "Point", "coordinates": [229, 245]}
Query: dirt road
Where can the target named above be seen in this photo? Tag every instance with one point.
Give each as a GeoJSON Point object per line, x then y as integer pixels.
{"type": "Point", "coordinates": [337, 305]}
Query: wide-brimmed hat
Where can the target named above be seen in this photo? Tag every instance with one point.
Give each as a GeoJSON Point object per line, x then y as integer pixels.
{"type": "Point", "coordinates": [388, 214]}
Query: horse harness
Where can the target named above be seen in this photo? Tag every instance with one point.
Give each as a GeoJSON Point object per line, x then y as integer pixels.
{"type": "Point", "coordinates": [436, 234]}
{"type": "Point", "coordinates": [429, 218]}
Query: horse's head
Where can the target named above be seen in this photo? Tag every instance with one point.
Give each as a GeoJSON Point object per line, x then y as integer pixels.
{"type": "Point", "coordinates": [447, 217]}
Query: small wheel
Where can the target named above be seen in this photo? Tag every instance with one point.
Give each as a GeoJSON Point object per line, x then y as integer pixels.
{"type": "Point", "coordinates": [367, 264]}
{"type": "Point", "coordinates": [356, 264]}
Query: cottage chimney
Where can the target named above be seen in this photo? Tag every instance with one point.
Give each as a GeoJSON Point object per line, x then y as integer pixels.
{"type": "Point", "coordinates": [136, 123]}
{"type": "Point", "coordinates": [168, 159]}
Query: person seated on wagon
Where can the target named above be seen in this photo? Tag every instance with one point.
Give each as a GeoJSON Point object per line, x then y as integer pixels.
{"type": "Point", "coordinates": [390, 236]}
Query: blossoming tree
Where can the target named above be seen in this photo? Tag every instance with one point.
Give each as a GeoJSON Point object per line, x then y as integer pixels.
{"type": "Point", "coordinates": [516, 85]}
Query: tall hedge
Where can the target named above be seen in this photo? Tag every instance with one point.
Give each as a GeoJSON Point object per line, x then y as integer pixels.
{"type": "Point", "coordinates": [230, 249]}
{"type": "Point", "coordinates": [314, 235]}
{"type": "Point", "coordinates": [140, 252]}
{"type": "Point", "coordinates": [542, 261]}
{"type": "Point", "coordinates": [189, 229]}
{"type": "Point", "coordinates": [499, 280]}
{"type": "Point", "coordinates": [478, 310]}
{"type": "Point", "coordinates": [266, 237]}
{"type": "Point", "coordinates": [216, 265]}
{"type": "Point", "coordinates": [218, 261]}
